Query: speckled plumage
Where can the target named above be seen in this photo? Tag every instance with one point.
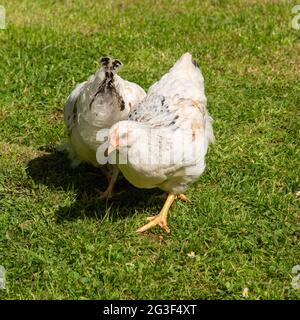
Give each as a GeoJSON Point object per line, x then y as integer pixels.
{"type": "Point", "coordinates": [174, 106]}
{"type": "Point", "coordinates": [96, 104]}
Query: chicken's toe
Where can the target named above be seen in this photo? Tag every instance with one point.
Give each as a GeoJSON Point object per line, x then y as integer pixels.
{"type": "Point", "coordinates": [153, 221]}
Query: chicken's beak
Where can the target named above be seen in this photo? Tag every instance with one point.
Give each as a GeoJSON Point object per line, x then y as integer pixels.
{"type": "Point", "coordinates": [110, 149]}
{"type": "Point", "coordinates": [113, 143]}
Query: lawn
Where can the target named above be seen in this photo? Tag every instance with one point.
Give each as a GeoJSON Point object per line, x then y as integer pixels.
{"type": "Point", "coordinates": [58, 241]}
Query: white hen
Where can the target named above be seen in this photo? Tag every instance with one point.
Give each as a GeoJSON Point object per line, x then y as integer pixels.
{"type": "Point", "coordinates": [165, 140]}
{"type": "Point", "coordinates": [98, 103]}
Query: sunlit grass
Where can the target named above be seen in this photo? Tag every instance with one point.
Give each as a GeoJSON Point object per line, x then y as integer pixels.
{"type": "Point", "coordinates": [58, 241]}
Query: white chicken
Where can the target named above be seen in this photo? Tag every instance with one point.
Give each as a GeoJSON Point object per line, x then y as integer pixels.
{"type": "Point", "coordinates": [104, 99]}
{"type": "Point", "coordinates": [165, 140]}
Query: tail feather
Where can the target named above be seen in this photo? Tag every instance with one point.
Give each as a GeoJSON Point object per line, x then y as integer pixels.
{"type": "Point", "coordinates": [186, 61]}
{"type": "Point", "coordinates": [110, 66]}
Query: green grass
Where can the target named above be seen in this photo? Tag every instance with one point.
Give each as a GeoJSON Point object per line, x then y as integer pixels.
{"type": "Point", "coordinates": [57, 241]}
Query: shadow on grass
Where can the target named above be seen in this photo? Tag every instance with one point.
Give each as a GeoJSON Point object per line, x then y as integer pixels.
{"type": "Point", "coordinates": [53, 170]}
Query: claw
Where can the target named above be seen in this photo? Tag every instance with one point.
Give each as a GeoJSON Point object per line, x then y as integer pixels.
{"type": "Point", "coordinates": [161, 218]}
{"type": "Point", "coordinates": [105, 195]}
{"type": "Point", "coordinates": [153, 221]}
{"type": "Point", "coordinates": [183, 198]}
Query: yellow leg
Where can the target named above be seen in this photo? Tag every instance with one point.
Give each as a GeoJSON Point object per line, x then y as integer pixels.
{"type": "Point", "coordinates": [161, 218]}
{"type": "Point", "coordinates": [183, 198]}
{"type": "Point", "coordinates": [107, 194]}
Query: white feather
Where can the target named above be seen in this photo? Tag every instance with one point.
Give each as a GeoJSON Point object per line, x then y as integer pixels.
{"type": "Point", "coordinates": [85, 113]}
{"type": "Point", "coordinates": [168, 133]}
